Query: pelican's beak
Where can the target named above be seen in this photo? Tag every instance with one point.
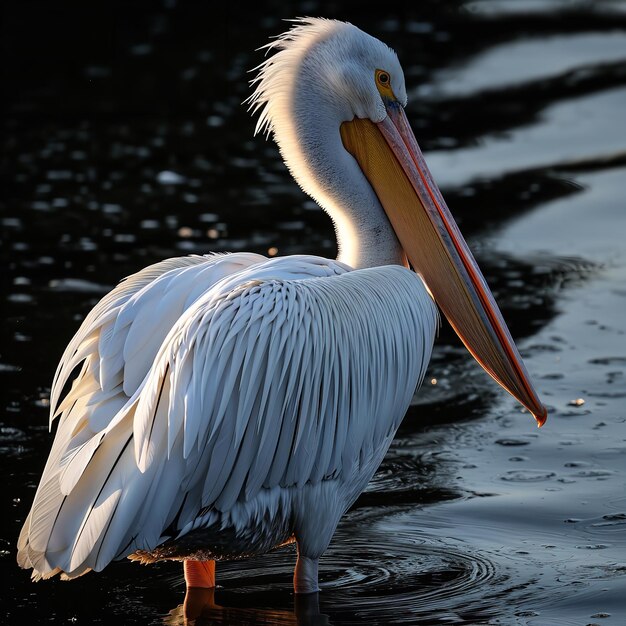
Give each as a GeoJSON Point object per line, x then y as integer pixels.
{"type": "Point", "coordinates": [390, 158]}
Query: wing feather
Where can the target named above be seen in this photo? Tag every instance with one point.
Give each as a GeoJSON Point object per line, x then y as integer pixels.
{"type": "Point", "coordinates": [279, 402]}
{"type": "Point", "coordinates": [97, 402]}
{"type": "Point", "coordinates": [275, 375]}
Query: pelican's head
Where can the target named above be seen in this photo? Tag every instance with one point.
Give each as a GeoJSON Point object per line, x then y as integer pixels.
{"type": "Point", "coordinates": [334, 98]}
{"type": "Point", "coordinates": [338, 69]}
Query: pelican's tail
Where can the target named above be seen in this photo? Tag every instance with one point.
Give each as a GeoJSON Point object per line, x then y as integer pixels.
{"type": "Point", "coordinates": [68, 530]}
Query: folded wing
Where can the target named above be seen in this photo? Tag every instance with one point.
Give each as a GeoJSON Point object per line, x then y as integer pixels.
{"type": "Point", "coordinates": [289, 372]}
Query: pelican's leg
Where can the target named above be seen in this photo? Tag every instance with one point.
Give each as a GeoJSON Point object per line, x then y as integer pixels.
{"type": "Point", "coordinates": [305, 574]}
{"type": "Point", "coordinates": [199, 574]}
{"type": "Point", "coordinates": [317, 515]}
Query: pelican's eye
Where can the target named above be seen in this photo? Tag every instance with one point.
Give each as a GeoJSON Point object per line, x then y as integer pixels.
{"type": "Point", "coordinates": [383, 82]}
{"type": "Point", "coordinates": [383, 78]}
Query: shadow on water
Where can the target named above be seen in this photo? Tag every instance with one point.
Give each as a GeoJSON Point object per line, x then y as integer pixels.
{"type": "Point", "coordinates": [125, 143]}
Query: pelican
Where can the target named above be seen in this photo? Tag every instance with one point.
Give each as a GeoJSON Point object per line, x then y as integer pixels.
{"type": "Point", "coordinates": [226, 405]}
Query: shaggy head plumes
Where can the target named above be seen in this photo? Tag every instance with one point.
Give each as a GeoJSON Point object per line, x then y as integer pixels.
{"type": "Point", "coordinates": [336, 56]}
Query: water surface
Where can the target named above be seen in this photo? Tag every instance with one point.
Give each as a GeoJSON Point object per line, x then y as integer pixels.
{"type": "Point", "coordinates": [125, 143]}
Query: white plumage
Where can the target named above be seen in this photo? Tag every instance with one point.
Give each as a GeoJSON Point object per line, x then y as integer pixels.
{"type": "Point", "coordinates": [258, 386]}
{"type": "Point", "coordinates": [228, 404]}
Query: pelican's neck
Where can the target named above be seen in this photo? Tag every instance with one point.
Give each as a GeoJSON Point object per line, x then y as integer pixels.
{"type": "Point", "coordinates": [310, 142]}
{"type": "Point", "coordinates": [365, 237]}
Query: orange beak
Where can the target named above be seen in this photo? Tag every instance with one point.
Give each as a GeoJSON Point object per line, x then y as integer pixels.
{"type": "Point", "coordinates": [390, 158]}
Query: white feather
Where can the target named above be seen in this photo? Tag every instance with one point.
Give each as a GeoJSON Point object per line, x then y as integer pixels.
{"type": "Point", "coordinates": [235, 391]}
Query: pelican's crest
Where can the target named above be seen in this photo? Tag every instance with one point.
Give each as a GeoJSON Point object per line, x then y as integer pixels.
{"type": "Point", "coordinates": [274, 82]}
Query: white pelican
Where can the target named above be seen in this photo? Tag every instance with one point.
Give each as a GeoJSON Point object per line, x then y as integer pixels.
{"type": "Point", "coordinates": [230, 404]}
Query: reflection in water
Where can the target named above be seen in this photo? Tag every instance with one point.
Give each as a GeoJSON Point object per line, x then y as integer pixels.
{"type": "Point", "coordinates": [543, 144]}
{"type": "Point", "coordinates": [201, 609]}
{"type": "Point", "coordinates": [533, 59]}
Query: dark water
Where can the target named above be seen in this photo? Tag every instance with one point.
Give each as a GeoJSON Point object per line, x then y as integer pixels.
{"type": "Point", "coordinates": [124, 143]}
